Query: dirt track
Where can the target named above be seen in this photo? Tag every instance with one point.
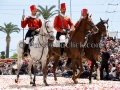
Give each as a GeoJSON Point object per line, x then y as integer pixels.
{"type": "Point", "coordinates": [7, 83]}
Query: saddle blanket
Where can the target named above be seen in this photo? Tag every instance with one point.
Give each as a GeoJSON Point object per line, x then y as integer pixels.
{"type": "Point", "coordinates": [63, 39]}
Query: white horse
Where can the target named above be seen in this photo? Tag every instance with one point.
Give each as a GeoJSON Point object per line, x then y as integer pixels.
{"type": "Point", "coordinates": [38, 51]}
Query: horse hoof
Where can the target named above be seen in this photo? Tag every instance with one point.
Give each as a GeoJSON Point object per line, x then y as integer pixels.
{"type": "Point", "coordinates": [46, 84]}
{"type": "Point", "coordinates": [76, 82]}
{"type": "Point", "coordinates": [98, 78]}
{"type": "Point", "coordinates": [55, 79]}
{"type": "Point", "coordinates": [33, 84]}
{"type": "Point", "coordinates": [56, 82]}
{"type": "Point", "coordinates": [89, 82]}
{"type": "Point", "coordinates": [16, 81]}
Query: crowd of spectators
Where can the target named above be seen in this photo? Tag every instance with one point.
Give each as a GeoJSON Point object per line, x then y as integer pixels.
{"type": "Point", "coordinates": [112, 45]}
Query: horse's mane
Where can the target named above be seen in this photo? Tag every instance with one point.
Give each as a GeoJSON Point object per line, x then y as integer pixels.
{"type": "Point", "coordinates": [77, 25]}
{"type": "Point", "coordinates": [98, 34]}
{"type": "Point", "coordinates": [103, 21]}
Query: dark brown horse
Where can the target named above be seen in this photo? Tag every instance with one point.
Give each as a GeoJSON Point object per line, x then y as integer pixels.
{"type": "Point", "coordinates": [92, 49]}
{"type": "Point", "coordinates": [77, 39]}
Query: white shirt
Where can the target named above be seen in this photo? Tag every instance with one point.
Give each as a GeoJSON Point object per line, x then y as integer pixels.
{"type": "Point", "coordinates": [119, 49]}
{"type": "Point", "coordinates": [33, 16]}
{"type": "Point", "coordinates": [116, 61]}
{"type": "Point", "coordinates": [112, 72]}
{"type": "Point", "coordinates": [63, 15]}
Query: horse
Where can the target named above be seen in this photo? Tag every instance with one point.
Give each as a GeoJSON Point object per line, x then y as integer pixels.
{"type": "Point", "coordinates": [92, 52]}
{"type": "Point", "coordinates": [38, 51]}
{"type": "Point", "coordinates": [76, 36]}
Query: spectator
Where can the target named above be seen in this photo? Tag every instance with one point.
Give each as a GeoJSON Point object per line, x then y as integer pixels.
{"type": "Point", "coordinates": [104, 63]}
{"type": "Point", "coordinates": [112, 74]}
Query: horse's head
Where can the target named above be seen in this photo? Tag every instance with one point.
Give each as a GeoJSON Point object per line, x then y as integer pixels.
{"type": "Point", "coordinates": [103, 27]}
{"type": "Point", "coordinates": [48, 29]}
{"type": "Point", "coordinates": [85, 24]}
{"type": "Point", "coordinates": [89, 25]}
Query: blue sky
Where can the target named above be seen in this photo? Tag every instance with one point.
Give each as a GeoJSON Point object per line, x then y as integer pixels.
{"type": "Point", "coordinates": [12, 10]}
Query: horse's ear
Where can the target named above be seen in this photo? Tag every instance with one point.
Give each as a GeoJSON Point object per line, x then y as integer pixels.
{"type": "Point", "coordinates": [101, 20]}
{"type": "Point", "coordinates": [91, 15]}
{"type": "Point", "coordinates": [87, 16]}
{"type": "Point", "coordinates": [107, 19]}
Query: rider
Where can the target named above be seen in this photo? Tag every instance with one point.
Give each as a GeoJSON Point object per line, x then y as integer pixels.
{"type": "Point", "coordinates": [34, 24]}
{"type": "Point", "coordinates": [84, 13]}
{"type": "Point", "coordinates": [61, 24]}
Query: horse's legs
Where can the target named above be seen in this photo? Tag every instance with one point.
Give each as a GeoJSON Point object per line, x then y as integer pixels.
{"type": "Point", "coordinates": [79, 60]}
{"type": "Point", "coordinates": [74, 69]}
{"type": "Point", "coordinates": [98, 71]}
{"type": "Point", "coordinates": [34, 79]}
{"type": "Point", "coordinates": [19, 64]}
{"type": "Point", "coordinates": [45, 76]}
{"type": "Point", "coordinates": [44, 67]}
{"type": "Point", "coordinates": [91, 69]}
{"type": "Point", "coordinates": [29, 70]}
{"type": "Point", "coordinates": [56, 59]}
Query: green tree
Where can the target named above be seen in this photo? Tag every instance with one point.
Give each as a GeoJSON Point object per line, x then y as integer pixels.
{"type": "Point", "coordinates": [46, 12]}
{"type": "Point", "coordinates": [15, 55]}
{"type": "Point", "coordinates": [8, 29]}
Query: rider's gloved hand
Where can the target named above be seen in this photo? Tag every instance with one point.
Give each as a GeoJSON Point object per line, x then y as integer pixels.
{"type": "Point", "coordinates": [37, 30]}
{"type": "Point", "coordinates": [72, 29]}
{"type": "Point", "coordinates": [63, 31]}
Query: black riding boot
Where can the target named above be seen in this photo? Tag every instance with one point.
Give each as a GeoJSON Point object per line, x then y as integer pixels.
{"type": "Point", "coordinates": [26, 50]}
{"type": "Point", "coordinates": [62, 47]}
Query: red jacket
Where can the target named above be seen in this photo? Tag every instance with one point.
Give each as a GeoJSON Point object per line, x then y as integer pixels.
{"type": "Point", "coordinates": [62, 22]}
{"type": "Point", "coordinates": [31, 22]}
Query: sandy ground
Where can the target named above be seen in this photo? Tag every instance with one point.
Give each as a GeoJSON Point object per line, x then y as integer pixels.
{"type": "Point", "coordinates": [7, 83]}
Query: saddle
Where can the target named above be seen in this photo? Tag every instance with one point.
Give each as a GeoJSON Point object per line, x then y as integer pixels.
{"type": "Point", "coordinates": [32, 39]}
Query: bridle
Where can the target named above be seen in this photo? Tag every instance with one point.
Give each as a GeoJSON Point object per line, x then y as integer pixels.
{"type": "Point", "coordinates": [91, 24]}
{"type": "Point", "coordinates": [43, 35]}
{"type": "Point", "coordinates": [46, 28]}
{"type": "Point", "coordinates": [103, 22]}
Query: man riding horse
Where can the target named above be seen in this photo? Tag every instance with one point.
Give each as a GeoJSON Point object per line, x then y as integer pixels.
{"type": "Point", "coordinates": [84, 13]}
{"type": "Point", "coordinates": [34, 23]}
{"type": "Point", "coordinates": [62, 24]}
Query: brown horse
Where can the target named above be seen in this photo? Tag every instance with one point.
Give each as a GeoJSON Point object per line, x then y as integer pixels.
{"type": "Point", "coordinates": [76, 39]}
{"type": "Point", "coordinates": [92, 49]}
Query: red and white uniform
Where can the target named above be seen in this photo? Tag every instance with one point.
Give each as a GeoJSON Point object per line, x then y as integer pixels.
{"type": "Point", "coordinates": [84, 12]}
{"type": "Point", "coordinates": [31, 21]}
{"type": "Point", "coordinates": [62, 21]}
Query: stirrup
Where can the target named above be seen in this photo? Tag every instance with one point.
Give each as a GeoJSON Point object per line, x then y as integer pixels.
{"type": "Point", "coordinates": [25, 54]}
